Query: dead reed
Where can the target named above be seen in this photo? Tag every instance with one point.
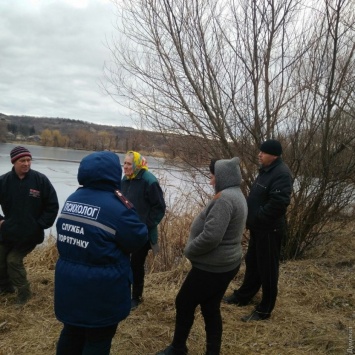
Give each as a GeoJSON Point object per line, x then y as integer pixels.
{"type": "Point", "coordinates": [315, 311]}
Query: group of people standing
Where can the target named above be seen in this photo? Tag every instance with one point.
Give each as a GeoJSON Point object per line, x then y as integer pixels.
{"type": "Point", "coordinates": [107, 227]}
{"type": "Point", "coordinates": [214, 247]}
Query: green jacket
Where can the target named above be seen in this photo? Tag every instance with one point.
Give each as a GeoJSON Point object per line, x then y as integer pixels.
{"type": "Point", "coordinates": [147, 197]}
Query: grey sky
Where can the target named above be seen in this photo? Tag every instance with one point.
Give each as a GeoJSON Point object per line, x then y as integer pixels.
{"type": "Point", "coordinates": [52, 54]}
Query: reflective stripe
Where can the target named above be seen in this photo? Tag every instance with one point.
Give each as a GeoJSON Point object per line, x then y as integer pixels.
{"type": "Point", "coordinates": [89, 221]}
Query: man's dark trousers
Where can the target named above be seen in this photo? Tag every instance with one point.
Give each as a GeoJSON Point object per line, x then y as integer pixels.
{"type": "Point", "coordinates": [262, 269]}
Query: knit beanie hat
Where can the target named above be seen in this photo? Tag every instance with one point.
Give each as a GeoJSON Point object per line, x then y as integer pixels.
{"type": "Point", "coordinates": [19, 152]}
{"type": "Point", "coordinates": [272, 147]}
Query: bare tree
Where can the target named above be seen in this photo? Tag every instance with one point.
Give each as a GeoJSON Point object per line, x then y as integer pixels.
{"type": "Point", "coordinates": [320, 128]}
{"type": "Point", "coordinates": [223, 75]}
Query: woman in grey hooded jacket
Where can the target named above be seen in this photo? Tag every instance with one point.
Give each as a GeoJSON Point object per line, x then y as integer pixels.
{"type": "Point", "coordinates": [215, 252]}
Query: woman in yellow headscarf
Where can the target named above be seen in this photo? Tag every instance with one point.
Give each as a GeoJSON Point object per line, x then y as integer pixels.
{"type": "Point", "coordinates": [142, 188]}
{"type": "Point", "coordinates": [133, 164]}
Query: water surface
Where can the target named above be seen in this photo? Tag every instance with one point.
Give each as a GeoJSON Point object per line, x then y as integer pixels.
{"type": "Point", "coordinates": [61, 167]}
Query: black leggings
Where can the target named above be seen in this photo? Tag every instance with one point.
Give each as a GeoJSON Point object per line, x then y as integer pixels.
{"type": "Point", "coordinates": [137, 264]}
{"type": "Point", "coordinates": [85, 341]}
{"type": "Point", "coordinates": [205, 289]}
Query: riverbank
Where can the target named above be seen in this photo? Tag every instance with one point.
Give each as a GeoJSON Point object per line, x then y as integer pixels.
{"type": "Point", "coordinates": [314, 314]}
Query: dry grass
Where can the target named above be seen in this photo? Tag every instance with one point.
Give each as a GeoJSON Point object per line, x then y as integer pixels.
{"type": "Point", "coordinates": [314, 312]}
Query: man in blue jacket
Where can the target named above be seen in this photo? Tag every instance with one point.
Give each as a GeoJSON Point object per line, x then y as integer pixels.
{"type": "Point", "coordinates": [30, 205]}
{"type": "Point", "coordinates": [97, 230]}
{"type": "Point", "coordinates": [268, 199]}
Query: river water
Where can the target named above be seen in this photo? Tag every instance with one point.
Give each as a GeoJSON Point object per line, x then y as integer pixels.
{"type": "Point", "coordinates": [61, 166]}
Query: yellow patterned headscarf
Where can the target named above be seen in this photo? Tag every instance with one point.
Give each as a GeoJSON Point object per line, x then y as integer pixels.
{"type": "Point", "coordinates": [139, 163]}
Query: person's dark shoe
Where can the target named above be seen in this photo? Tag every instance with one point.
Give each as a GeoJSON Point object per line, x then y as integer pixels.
{"type": "Point", "coordinates": [23, 295]}
{"type": "Point", "coordinates": [170, 350]}
{"type": "Point", "coordinates": [135, 302]}
{"type": "Point", "coordinates": [8, 289]}
{"type": "Point", "coordinates": [233, 299]}
{"type": "Point", "coordinates": [214, 350]}
{"type": "Point", "coordinates": [255, 315]}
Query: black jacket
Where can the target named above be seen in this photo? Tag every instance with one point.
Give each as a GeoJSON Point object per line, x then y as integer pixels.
{"type": "Point", "coordinates": [30, 205]}
{"type": "Point", "coordinates": [147, 197]}
{"type": "Point", "coordinates": [269, 197]}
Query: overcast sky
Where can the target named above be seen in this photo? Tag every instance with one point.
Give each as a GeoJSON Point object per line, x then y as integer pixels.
{"type": "Point", "coordinates": [52, 54]}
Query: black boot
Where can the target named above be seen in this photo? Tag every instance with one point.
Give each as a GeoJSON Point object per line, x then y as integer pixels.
{"type": "Point", "coordinates": [233, 299]}
{"type": "Point", "coordinates": [135, 302]}
{"type": "Point", "coordinates": [137, 291]}
{"type": "Point", "coordinates": [23, 294]}
{"type": "Point", "coordinates": [255, 315]}
{"type": "Point", "coordinates": [170, 350]}
{"type": "Point", "coordinates": [7, 289]}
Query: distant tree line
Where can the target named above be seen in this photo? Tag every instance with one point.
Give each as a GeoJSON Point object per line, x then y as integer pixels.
{"type": "Point", "coordinates": [66, 133]}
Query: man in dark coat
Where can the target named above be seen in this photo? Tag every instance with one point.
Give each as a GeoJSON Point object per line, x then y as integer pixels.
{"type": "Point", "coordinates": [268, 199]}
{"type": "Point", "coordinates": [30, 205]}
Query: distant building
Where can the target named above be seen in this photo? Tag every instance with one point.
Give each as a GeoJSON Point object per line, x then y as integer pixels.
{"type": "Point", "coordinates": [34, 138]}
{"type": "Point", "coordinates": [20, 137]}
{"type": "Point", "coordinates": [9, 135]}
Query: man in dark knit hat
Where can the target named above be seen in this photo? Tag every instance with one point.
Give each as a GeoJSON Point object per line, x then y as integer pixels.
{"type": "Point", "coordinates": [30, 205]}
{"type": "Point", "coordinates": [268, 199]}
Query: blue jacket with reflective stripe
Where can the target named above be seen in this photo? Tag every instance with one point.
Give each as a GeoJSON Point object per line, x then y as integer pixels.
{"type": "Point", "coordinates": [96, 231]}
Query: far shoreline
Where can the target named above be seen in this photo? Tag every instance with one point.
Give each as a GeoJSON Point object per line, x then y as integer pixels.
{"type": "Point", "coordinates": [155, 154]}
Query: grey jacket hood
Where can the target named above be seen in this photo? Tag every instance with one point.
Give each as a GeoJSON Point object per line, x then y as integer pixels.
{"type": "Point", "coordinates": [227, 173]}
{"type": "Point", "coordinates": [214, 243]}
